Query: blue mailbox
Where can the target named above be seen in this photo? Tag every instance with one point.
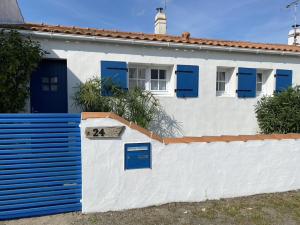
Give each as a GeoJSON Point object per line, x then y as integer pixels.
{"type": "Point", "coordinates": [137, 156]}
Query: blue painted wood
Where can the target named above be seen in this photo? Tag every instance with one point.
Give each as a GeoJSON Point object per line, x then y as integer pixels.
{"type": "Point", "coordinates": [40, 211]}
{"type": "Point", "coordinates": [38, 155]}
{"type": "Point", "coordinates": [39, 120]}
{"type": "Point", "coordinates": [40, 150]}
{"type": "Point", "coordinates": [42, 135]}
{"type": "Point", "coordinates": [137, 156]}
{"type": "Point", "coordinates": [284, 79]}
{"type": "Point", "coordinates": [51, 74]}
{"type": "Point", "coordinates": [246, 83]}
{"type": "Point", "coordinates": [46, 145]}
{"type": "Point", "coordinates": [187, 81]}
{"type": "Point", "coordinates": [29, 196]}
{"type": "Point", "coordinates": [40, 184]}
{"type": "Point", "coordinates": [113, 73]}
{"type": "Point", "coordinates": [37, 130]}
{"type": "Point", "coordinates": [40, 164]}
{"type": "Point", "coordinates": [39, 115]}
{"type": "Point", "coordinates": [51, 140]}
{"type": "Point", "coordinates": [38, 125]}
{"type": "Point", "coordinates": [29, 191]}
{"type": "Point", "coordinates": [43, 174]}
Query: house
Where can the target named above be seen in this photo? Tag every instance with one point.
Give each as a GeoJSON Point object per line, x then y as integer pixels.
{"type": "Point", "coordinates": [207, 87]}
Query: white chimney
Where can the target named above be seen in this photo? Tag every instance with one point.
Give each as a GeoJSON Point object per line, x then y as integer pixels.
{"type": "Point", "coordinates": [160, 22]}
{"type": "Point", "coordinates": [294, 36]}
{"type": "Point", "coordinates": [10, 12]}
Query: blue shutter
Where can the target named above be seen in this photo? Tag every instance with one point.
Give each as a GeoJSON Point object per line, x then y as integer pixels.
{"type": "Point", "coordinates": [246, 83]}
{"type": "Point", "coordinates": [113, 72]}
{"type": "Point", "coordinates": [187, 81]}
{"type": "Point", "coordinates": [283, 79]}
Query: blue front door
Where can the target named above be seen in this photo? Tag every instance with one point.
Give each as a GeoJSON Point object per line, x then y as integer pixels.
{"type": "Point", "coordinates": [48, 87]}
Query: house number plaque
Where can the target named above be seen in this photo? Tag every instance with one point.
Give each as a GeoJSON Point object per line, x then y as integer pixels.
{"type": "Point", "coordinates": [104, 132]}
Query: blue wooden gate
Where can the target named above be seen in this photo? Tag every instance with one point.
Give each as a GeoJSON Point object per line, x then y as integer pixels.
{"type": "Point", "coordinates": [40, 164]}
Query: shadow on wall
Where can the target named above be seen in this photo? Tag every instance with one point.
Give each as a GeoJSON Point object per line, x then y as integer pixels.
{"type": "Point", "coordinates": [165, 125]}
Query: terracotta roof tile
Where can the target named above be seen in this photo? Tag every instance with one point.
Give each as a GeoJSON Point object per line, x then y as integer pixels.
{"type": "Point", "coordinates": [185, 38]}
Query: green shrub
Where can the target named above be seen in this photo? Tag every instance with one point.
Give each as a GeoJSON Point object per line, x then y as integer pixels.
{"type": "Point", "coordinates": [19, 57]}
{"type": "Point", "coordinates": [135, 105]}
{"type": "Point", "coordinates": [280, 113]}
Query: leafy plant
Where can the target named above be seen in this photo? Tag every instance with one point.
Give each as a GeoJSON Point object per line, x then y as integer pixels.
{"type": "Point", "coordinates": [19, 57]}
{"type": "Point", "coordinates": [135, 105]}
{"type": "Point", "coordinates": [280, 113]}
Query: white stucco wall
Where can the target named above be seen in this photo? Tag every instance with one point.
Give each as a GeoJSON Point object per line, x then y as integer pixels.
{"type": "Point", "coordinates": [183, 172]}
{"type": "Point", "coordinates": [205, 115]}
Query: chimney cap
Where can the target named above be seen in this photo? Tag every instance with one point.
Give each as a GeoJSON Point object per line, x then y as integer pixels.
{"type": "Point", "coordinates": [160, 9]}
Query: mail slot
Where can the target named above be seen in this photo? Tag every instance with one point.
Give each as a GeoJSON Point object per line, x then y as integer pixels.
{"type": "Point", "coordinates": [137, 156]}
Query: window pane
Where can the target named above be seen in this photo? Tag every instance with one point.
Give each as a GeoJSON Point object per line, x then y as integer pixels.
{"type": "Point", "coordinates": [141, 84]}
{"type": "Point", "coordinates": [162, 85]}
{"type": "Point", "coordinates": [132, 84]}
{"type": "Point", "coordinates": [54, 80]}
{"type": "Point", "coordinates": [259, 77]}
{"type": "Point", "coordinates": [154, 85]}
{"type": "Point", "coordinates": [221, 76]}
{"type": "Point", "coordinates": [45, 80]}
{"type": "Point", "coordinates": [132, 73]}
{"type": "Point", "coordinates": [259, 87]}
{"type": "Point", "coordinates": [162, 74]}
{"type": "Point", "coordinates": [154, 74]}
{"type": "Point", "coordinates": [45, 87]}
{"type": "Point", "coordinates": [54, 87]}
{"type": "Point", "coordinates": [142, 73]}
{"type": "Point", "coordinates": [221, 86]}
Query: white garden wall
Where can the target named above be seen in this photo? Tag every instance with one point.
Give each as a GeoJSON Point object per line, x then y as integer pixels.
{"type": "Point", "coordinates": [183, 172]}
{"type": "Point", "coordinates": [205, 115]}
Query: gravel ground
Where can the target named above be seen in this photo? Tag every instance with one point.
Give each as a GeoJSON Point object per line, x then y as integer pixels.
{"type": "Point", "coordinates": [269, 209]}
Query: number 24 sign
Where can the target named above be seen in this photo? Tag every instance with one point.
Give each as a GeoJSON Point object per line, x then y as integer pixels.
{"type": "Point", "coordinates": [104, 132]}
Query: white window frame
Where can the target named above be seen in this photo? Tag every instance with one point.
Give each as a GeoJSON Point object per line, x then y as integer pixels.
{"type": "Point", "coordinates": [219, 82]}
{"type": "Point", "coordinates": [149, 67]}
{"type": "Point", "coordinates": [267, 82]}
{"type": "Point", "coordinates": [259, 83]}
{"type": "Point", "coordinates": [229, 82]}
{"type": "Point", "coordinates": [137, 79]}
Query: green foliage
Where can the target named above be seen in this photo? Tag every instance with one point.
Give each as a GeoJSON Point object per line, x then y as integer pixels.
{"type": "Point", "coordinates": [19, 57]}
{"type": "Point", "coordinates": [280, 113]}
{"type": "Point", "coordinates": [135, 105]}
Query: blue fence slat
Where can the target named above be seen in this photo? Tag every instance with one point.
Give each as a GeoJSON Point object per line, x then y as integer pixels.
{"type": "Point", "coordinates": [38, 155]}
{"type": "Point", "coordinates": [39, 120]}
{"type": "Point", "coordinates": [37, 130]}
{"type": "Point", "coordinates": [40, 211]}
{"type": "Point", "coordinates": [38, 125]}
{"type": "Point", "coordinates": [40, 115]}
{"type": "Point", "coordinates": [30, 196]}
{"type": "Point", "coordinates": [51, 140]}
{"type": "Point", "coordinates": [40, 150]}
{"type": "Point", "coordinates": [40, 184]}
{"type": "Point", "coordinates": [40, 164]}
{"type": "Point", "coordinates": [35, 190]}
{"type": "Point", "coordinates": [38, 204]}
{"type": "Point", "coordinates": [48, 145]}
{"type": "Point", "coordinates": [25, 161]}
{"type": "Point", "coordinates": [39, 199]}
{"type": "Point", "coordinates": [42, 135]}
{"type": "Point", "coordinates": [34, 175]}
{"type": "Point", "coordinates": [40, 179]}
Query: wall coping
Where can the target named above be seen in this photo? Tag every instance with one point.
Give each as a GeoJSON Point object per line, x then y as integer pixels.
{"type": "Point", "coordinates": [204, 139]}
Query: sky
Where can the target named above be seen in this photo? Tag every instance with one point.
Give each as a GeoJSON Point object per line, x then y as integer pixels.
{"type": "Point", "coordinates": [246, 20]}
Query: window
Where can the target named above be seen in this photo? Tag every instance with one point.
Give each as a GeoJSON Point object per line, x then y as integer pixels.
{"type": "Point", "coordinates": [259, 82]}
{"type": "Point", "coordinates": [137, 78]}
{"type": "Point", "coordinates": [221, 82]}
{"type": "Point", "coordinates": [50, 84]}
{"type": "Point", "coordinates": [151, 78]}
{"type": "Point", "coordinates": [158, 80]}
